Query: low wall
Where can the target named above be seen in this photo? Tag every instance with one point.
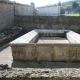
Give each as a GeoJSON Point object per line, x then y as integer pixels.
{"type": "Point", "coordinates": [46, 52]}
{"type": "Point", "coordinates": [47, 22]}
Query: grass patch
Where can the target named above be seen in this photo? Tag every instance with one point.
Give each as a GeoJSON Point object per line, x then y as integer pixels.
{"type": "Point", "coordinates": [70, 14]}
{"type": "Point", "coordinates": [74, 15]}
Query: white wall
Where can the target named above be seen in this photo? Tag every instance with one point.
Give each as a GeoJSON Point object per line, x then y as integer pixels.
{"type": "Point", "coordinates": [49, 11]}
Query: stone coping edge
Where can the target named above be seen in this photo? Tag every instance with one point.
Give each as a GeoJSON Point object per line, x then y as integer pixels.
{"type": "Point", "coordinates": [50, 44]}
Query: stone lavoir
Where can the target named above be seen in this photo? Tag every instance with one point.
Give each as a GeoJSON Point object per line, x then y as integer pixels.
{"type": "Point", "coordinates": [30, 47]}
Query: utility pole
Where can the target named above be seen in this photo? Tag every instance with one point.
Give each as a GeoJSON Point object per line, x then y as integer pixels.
{"type": "Point", "coordinates": [59, 10]}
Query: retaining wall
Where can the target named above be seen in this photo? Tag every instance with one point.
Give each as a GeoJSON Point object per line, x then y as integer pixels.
{"type": "Point", "coordinates": [47, 22]}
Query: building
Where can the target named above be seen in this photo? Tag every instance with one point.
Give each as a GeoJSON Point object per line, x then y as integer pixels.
{"type": "Point", "coordinates": [48, 11]}
{"type": "Point", "coordinates": [33, 4]}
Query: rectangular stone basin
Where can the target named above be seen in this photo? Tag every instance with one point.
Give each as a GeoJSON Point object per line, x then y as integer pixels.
{"type": "Point", "coordinates": [47, 45]}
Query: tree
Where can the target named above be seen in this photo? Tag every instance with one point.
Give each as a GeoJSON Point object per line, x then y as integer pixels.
{"type": "Point", "coordinates": [59, 3]}
{"type": "Point", "coordinates": [75, 5]}
{"type": "Point", "coordinates": [60, 6]}
{"type": "Point", "coordinates": [62, 10]}
{"type": "Point", "coordinates": [68, 8]}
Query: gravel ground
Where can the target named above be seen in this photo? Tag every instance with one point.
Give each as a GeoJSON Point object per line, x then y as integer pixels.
{"type": "Point", "coordinates": [36, 73]}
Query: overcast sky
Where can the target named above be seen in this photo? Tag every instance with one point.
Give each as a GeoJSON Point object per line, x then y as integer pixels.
{"type": "Point", "coordinates": [39, 3]}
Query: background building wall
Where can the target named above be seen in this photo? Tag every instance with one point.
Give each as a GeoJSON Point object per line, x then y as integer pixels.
{"type": "Point", "coordinates": [49, 11]}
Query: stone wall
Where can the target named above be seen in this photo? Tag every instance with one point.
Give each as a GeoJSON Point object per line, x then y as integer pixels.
{"type": "Point", "coordinates": [42, 22]}
{"type": "Point", "coordinates": [24, 10]}
{"type": "Point", "coordinates": [8, 10]}
{"type": "Point", "coordinates": [54, 52]}
{"type": "Point", "coordinates": [6, 15]}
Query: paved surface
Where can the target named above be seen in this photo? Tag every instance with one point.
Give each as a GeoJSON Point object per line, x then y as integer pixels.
{"type": "Point", "coordinates": [5, 55]}
{"type": "Point", "coordinates": [6, 58]}
{"type": "Point", "coordinates": [52, 40]}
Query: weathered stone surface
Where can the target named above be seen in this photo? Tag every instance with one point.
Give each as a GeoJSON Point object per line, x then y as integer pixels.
{"type": "Point", "coordinates": [63, 52]}
{"type": "Point", "coordinates": [49, 52]}
{"type": "Point", "coordinates": [44, 52]}
{"type": "Point", "coordinates": [24, 52]}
